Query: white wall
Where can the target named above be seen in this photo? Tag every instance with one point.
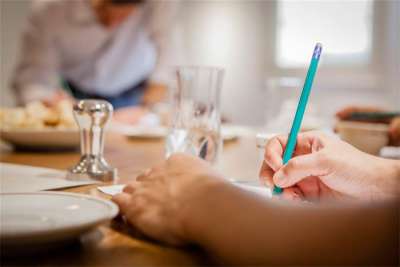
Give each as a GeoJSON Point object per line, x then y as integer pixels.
{"type": "Point", "coordinates": [234, 35]}
{"type": "Point", "coordinates": [240, 35]}
{"type": "Point", "coordinates": [12, 21]}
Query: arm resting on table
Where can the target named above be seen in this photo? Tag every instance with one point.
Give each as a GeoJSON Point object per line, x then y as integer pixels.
{"type": "Point", "coordinates": [238, 227]}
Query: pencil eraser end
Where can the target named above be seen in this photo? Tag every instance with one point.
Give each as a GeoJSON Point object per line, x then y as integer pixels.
{"type": "Point", "coordinates": [317, 51]}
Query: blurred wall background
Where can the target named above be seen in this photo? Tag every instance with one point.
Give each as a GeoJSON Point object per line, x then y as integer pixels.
{"type": "Point", "coordinates": [13, 16]}
{"type": "Point", "coordinates": [265, 47]}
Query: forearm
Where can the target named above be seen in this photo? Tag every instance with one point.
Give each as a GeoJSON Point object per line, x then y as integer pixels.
{"type": "Point", "coordinates": [393, 179]}
{"type": "Point", "coordinates": [154, 93]}
{"type": "Point", "coordinates": [238, 227]}
{"type": "Point", "coordinates": [386, 179]}
{"type": "Point", "coordinates": [32, 92]}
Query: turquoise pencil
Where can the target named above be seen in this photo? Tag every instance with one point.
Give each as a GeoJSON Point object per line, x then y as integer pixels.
{"type": "Point", "coordinates": [301, 107]}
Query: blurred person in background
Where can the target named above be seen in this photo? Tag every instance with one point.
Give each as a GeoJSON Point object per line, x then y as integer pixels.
{"type": "Point", "coordinates": [106, 49]}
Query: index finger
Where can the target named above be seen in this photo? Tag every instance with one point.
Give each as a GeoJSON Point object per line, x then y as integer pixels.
{"type": "Point", "coordinates": [274, 151]}
{"type": "Point", "coordinates": [266, 174]}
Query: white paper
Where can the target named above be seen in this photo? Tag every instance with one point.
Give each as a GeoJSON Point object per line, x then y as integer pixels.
{"type": "Point", "coordinates": [256, 189]}
{"type": "Point", "coordinates": [15, 178]}
{"type": "Point", "coordinates": [111, 189]}
{"type": "Point", "coordinates": [390, 152]}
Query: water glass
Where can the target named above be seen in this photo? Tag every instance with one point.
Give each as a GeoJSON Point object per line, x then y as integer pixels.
{"type": "Point", "coordinates": [195, 121]}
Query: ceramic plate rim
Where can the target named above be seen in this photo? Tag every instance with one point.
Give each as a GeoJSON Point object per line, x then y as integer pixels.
{"type": "Point", "coordinates": [111, 214]}
{"type": "Point", "coordinates": [41, 130]}
{"type": "Point", "coordinates": [143, 132]}
{"type": "Point", "coordinates": [41, 138]}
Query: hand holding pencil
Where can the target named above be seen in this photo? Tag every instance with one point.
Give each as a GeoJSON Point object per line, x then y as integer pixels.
{"type": "Point", "coordinates": [326, 168]}
{"type": "Point", "coordinates": [291, 143]}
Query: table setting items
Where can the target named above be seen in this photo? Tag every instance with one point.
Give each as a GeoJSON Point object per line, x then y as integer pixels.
{"type": "Point", "coordinates": [34, 220]}
{"type": "Point", "coordinates": [195, 126]}
{"type": "Point", "coordinates": [229, 132]}
{"type": "Point", "coordinates": [92, 116]}
{"type": "Point", "coordinates": [16, 178]}
{"type": "Point", "coordinates": [41, 220]}
{"type": "Point", "coordinates": [37, 126]}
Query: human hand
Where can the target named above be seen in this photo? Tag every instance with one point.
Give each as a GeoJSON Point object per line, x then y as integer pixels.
{"type": "Point", "coordinates": [154, 94]}
{"type": "Point", "coordinates": [157, 203]}
{"type": "Point", "coordinates": [56, 98]}
{"type": "Point", "coordinates": [394, 132]}
{"type": "Point", "coordinates": [130, 115]}
{"type": "Point", "coordinates": [325, 168]}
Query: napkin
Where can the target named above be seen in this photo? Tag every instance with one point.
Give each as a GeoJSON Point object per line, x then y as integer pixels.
{"type": "Point", "coordinates": [256, 189]}
{"type": "Point", "coordinates": [15, 178]}
{"type": "Point", "coordinates": [111, 189]}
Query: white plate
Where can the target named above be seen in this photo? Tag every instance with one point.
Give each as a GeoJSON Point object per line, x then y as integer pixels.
{"type": "Point", "coordinates": [46, 138]}
{"type": "Point", "coordinates": [48, 217]}
{"type": "Point", "coordinates": [229, 132]}
{"type": "Point", "coordinates": [140, 132]}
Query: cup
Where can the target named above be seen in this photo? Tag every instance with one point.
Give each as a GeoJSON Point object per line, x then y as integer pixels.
{"type": "Point", "coordinates": [195, 122]}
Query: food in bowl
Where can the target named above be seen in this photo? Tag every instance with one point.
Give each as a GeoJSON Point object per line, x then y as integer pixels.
{"type": "Point", "coordinates": [36, 115]}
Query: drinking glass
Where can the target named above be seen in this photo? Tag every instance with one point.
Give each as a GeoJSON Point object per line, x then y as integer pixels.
{"type": "Point", "coordinates": [195, 121]}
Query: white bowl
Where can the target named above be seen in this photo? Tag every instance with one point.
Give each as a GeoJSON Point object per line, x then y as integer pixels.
{"type": "Point", "coordinates": [368, 137]}
{"type": "Point", "coordinates": [41, 138]}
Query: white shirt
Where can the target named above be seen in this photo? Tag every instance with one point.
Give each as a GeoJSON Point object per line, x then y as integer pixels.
{"type": "Point", "coordinates": [64, 39]}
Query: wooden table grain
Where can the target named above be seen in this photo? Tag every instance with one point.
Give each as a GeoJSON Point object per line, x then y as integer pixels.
{"type": "Point", "coordinates": [116, 244]}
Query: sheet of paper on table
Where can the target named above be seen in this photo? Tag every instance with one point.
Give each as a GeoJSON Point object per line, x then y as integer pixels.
{"type": "Point", "coordinates": [15, 178]}
{"type": "Point", "coordinates": [252, 187]}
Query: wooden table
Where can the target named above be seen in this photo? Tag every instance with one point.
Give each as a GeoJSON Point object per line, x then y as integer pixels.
{"type": "Point", "coordinates": [115, 244]}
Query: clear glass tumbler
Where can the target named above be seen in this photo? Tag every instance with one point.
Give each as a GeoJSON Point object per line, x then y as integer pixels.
{"type": "Point", "coordinates": [195, 121]}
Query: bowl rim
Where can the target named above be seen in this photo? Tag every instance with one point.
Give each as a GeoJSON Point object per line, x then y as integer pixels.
{"type": "Point", "coordinates": [362, 126]}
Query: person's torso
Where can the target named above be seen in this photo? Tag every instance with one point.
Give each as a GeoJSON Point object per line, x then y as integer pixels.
{"type": "Point", "coordinates": [99, 60]}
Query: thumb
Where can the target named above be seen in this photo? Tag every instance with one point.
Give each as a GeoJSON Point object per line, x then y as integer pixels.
{"type": "Point", "coordinates": [300, 167]}
{"type": "Point", "coordinates": [123, 201]}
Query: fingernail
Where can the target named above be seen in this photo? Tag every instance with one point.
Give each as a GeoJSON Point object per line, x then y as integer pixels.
{"type": "Point", "coordinates": [279, 179]}
{"type": "Point", "coordinates": [267, 183]}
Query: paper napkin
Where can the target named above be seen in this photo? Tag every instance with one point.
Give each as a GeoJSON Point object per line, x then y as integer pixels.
{"type": "Point", "coordinates": [256, 189]}
{"type": "Point", "coordinates": [15, 178]}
